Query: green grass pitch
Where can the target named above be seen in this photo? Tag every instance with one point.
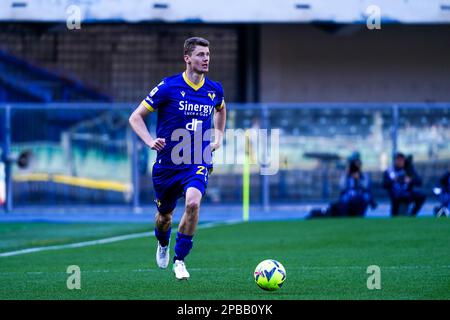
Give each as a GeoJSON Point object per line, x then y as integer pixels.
{"type": "Point", "coordinates": [324, 259]}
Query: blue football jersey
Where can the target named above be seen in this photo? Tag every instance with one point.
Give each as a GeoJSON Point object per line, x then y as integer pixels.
{"type": "Point", "coordinates": [185, 111]}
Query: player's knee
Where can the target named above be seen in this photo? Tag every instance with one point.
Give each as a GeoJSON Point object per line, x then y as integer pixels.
{"type": "Point", "coordinates": [192, 207]}
{"type": "Point", "coordinates": [164, 218]}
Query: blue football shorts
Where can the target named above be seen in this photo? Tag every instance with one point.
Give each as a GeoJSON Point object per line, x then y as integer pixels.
{"type": "Point", "coordinates": [170, 184]}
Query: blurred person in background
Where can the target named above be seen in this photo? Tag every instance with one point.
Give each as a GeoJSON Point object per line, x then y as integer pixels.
{"type": "Point", "coordinates": [403, 185]}
{"type": "Point", "coordinates": [356, 195]}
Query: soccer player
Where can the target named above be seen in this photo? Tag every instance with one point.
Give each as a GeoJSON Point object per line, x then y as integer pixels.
{"type": "Point", "coordinates": [185, 104]}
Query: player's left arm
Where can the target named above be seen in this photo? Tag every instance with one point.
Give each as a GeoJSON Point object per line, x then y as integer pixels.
{"type": "Point", "coordinates": [220, 118]}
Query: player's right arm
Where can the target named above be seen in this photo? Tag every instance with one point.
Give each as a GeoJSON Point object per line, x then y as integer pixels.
{"type": "Point", "coordinates": [137, 123]}
{"type": "Point", "coordinates": [154, 100]}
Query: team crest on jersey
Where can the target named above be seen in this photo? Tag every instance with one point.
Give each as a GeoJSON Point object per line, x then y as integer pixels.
{"type": "Point", "coordinates": [182, 93]}
{"type": "Point", "coordinates": [212, 95]}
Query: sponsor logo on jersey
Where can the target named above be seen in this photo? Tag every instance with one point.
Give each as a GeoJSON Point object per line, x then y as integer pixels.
{"type": "Point", "coordinates": [152, 93]}
{"type": "Point", "coordinates": [195, 108]}
{"type": "Point", "coordinates": [192, 126]}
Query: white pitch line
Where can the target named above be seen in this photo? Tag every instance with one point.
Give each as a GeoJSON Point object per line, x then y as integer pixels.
{"type": "Point", "coordinates": [104, 241]}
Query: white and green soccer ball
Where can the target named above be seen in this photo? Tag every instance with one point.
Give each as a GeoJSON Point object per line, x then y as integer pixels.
{"type": "Point", "coordinates": [270, 275]}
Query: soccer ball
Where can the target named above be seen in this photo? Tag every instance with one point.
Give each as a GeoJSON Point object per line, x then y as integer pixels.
{"type": "Point", "coordinates": [270, 275]}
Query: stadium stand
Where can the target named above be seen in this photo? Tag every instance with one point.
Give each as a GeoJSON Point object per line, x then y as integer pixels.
{"type": "Point", "coordinates": [21, 81]}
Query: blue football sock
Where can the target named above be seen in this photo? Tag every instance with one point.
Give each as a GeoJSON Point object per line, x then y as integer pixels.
{"type": "Point", "coordinates": [182, 246]}
{"type": "Point", "coordinates": [163, 237]}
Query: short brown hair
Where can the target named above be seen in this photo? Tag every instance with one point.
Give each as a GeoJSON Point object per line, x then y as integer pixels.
{"type": "Point", "coordinates": [191, 43]}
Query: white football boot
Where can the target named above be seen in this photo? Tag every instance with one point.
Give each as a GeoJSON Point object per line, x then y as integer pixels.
{"type": "Point", "coordinates": [163, 256]}
{"type": "Point", "coordinates": [179, 268]}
